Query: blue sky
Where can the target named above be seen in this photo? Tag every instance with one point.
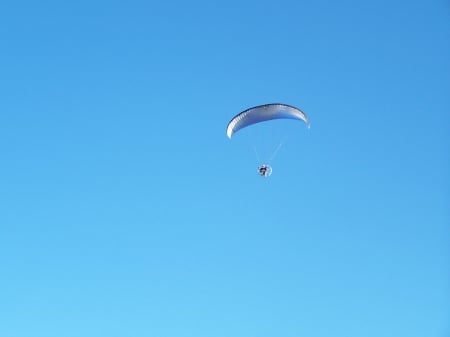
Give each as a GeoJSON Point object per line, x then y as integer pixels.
{"type": "Point", "coordinates": [126, 211]}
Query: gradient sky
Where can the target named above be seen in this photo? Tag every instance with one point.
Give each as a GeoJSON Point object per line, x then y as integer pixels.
{"type": "Point", "coordinates": [126, 211]}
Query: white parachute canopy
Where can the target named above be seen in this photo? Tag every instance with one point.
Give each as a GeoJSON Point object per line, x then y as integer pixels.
{"type": "Point", "coordinates": [263, 113]}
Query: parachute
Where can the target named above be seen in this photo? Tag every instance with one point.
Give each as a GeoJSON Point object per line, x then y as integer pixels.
{"type": "Point", "coordinates": [263, 113]}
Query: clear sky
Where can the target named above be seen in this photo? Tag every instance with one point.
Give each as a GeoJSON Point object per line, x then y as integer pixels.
{"type": "Point", "coordinates": [126, 211]}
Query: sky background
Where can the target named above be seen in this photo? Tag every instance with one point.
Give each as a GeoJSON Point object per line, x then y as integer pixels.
{"type": "Point", "coordinates": [126, 211]}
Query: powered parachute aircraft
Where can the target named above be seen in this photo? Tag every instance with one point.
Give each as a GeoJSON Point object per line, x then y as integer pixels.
{"type": "Point", "coordinates": [265, 113]}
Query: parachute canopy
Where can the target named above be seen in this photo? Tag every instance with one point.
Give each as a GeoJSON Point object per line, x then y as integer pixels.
{"type": "Point", "coordinates": [262, 113]}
